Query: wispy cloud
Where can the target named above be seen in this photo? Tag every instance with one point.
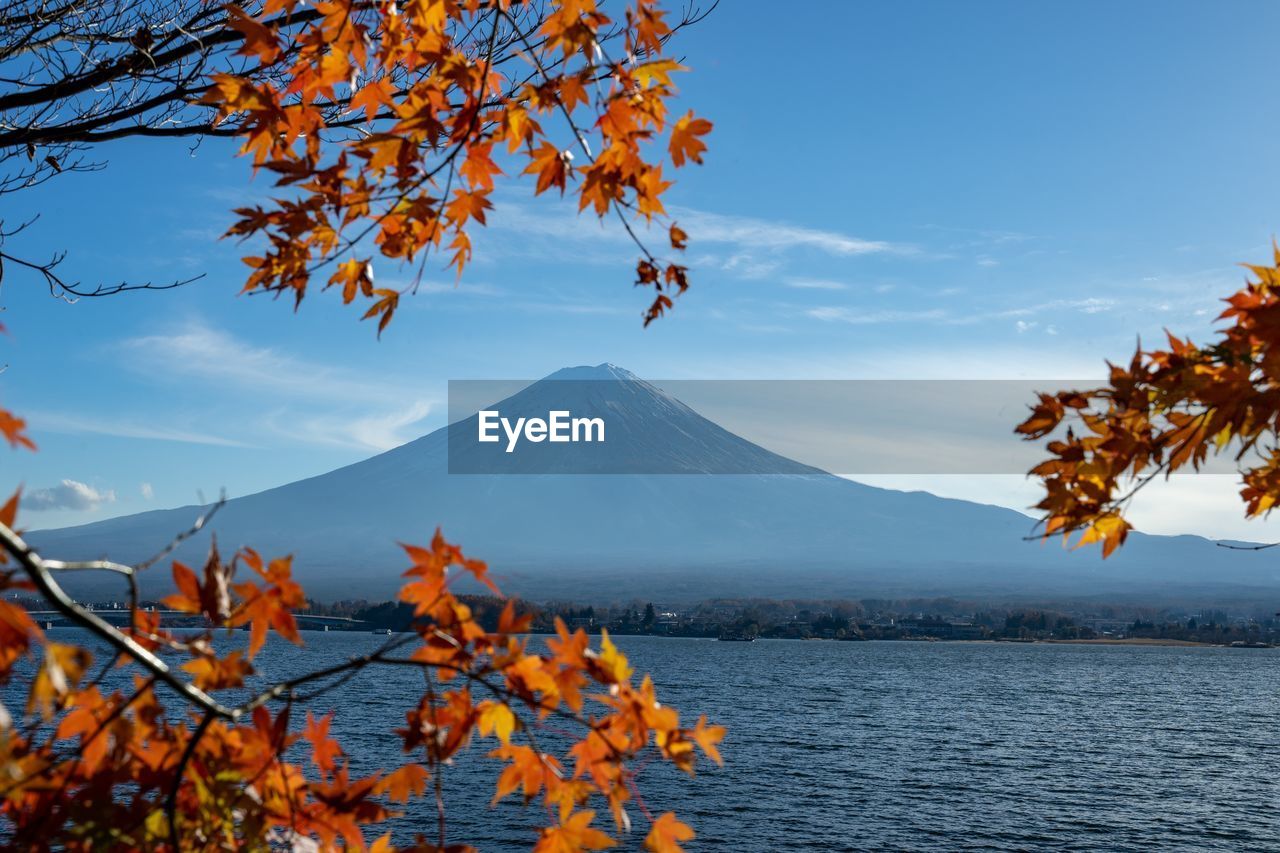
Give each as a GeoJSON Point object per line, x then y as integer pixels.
{"type": "Point", "coordinates": [749, 265]}
{"type": "Point", "coordinates": [69, 494]}
{"type": "Point", "coordinates": [860, 317]}
{"type": "Point", "coordinates": [459, 288]}
{"type": "Point", "coordinates": [1089, 305]}
{"type": "Point", "coordinates": [201, 352]}
{"type": "Point", "coordinates": [379, 432]}
{"type": "Point", "coordinates": [765, 329]}
{"type": "Point", "coordinates": [865, 316]}
{"type": "Point", "coordinates": [755, 245]}
{"type": "Point", "coordinates": [748, 231]}
{"type": "Point", "coordinates": [815, 284]}
{"type": "Point", "coordinates": [80, 424]}
{"type": "Point", "coordinates": [985, 247]}
{"type": "Point", "coordinates": [979, 237]}
{"type": "Point", "coordinates": [309, 401]}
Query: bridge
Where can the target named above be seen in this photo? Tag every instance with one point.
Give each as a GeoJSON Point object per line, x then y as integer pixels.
{"type": "Point", "coordinates": [122, 614]}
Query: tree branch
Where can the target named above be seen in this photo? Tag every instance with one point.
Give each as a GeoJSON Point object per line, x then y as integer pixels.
{"type": "Point", "coordinates": [41, 575]}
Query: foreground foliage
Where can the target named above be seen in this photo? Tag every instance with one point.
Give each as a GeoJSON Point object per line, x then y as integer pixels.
{"type": "Point", "coordinates": [1166, 410]}
{"type": "Point", "coordinates": [386, 127]}
{"type": "Point", "coordinates": [85, 769]}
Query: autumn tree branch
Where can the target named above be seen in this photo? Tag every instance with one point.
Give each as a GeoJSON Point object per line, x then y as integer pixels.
{"type": "Point", "coordinates": [41, 576]}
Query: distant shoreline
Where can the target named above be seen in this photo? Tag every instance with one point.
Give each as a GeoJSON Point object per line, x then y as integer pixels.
{"type": "Point", "coordinates": [1113, 641]}
{"type": "Point", "coordinates": [1135, 641]}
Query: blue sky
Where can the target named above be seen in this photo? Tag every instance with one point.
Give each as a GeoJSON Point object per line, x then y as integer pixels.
{"type": "Point", "coordinates": [906, 189]}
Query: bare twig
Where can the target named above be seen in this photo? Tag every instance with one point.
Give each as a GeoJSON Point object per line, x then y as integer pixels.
{"type": "Point", "coordinates": [195, 528]}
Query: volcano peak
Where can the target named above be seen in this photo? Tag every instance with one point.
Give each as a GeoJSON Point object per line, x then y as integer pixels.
{"type": "Point", "coordinates": [587, 373]}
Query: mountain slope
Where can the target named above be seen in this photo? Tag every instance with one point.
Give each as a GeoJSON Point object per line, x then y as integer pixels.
{"type": "Point", "coordinates": [792, 531]}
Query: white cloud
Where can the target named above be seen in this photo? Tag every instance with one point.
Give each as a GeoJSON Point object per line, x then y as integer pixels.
{"type": "Point", "coordinates": [148, 493]}
{"type": "Point", "coordinates": [69, 494]}
{"type": "Point", "coordinates": [815, 284]}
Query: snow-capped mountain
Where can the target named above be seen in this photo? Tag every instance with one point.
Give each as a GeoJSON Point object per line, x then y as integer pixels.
{"type": "Point", "coordinates": [658, 525]}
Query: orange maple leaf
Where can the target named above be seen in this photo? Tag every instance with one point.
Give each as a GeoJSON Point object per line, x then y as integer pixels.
{"type": "Point", "coordinates": [573, 835]}
{"type": "Point", "coordinates": [665, 833]}
{"type": "Point", "coordinates": [684, 139]}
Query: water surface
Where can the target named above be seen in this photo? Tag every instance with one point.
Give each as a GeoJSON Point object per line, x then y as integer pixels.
{"type": "Point", "coordinates": [904, 746]}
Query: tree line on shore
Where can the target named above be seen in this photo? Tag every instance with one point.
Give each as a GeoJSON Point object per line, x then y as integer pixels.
{"type": "Point", "coordinates": [802, 619]}
{"type": "Point", "coordinates": [866, 619]}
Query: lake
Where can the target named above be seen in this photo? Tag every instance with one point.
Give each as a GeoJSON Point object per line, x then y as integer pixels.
{"type": "Point", "coordinates": [904, 746]}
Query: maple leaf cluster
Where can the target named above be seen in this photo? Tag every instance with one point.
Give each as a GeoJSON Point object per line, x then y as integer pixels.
{"type": "Point", "coordinates": [90, 770]}
{"type": "Point", "coordinates": [443, 98]}
{"type": "Point", "coordinates": [1166, 410]}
